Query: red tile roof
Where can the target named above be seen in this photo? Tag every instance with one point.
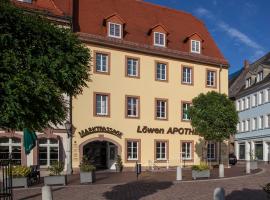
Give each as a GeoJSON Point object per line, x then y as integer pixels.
{"type": "Point", "coordinates": [140, 17]}
{"type": "Point", "coordinates": [54, 7]}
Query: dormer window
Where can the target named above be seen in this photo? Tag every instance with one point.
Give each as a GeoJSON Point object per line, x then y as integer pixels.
{"type": "Point", "coordinates": [248, 82]}
{"type": "Point", "coordinates": [159, 39]}
{"type": "Point", "coordinates": [25, 1]}
{"type": "Point", "coordinates": [195, 46]}
{"type": "Point", "coordinates": [115, 30]}
{"type": "Point", "coordinates": [260, 76]}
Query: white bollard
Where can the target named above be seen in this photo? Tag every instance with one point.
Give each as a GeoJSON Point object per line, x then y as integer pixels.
{"type": "Point", "coordinates": [248, 167]}
{"type": "Point", "coordinates": [219, 194]}
{"type": "Point", "coordinates": [167, 165]}
{"type": "Point", "coordinates": [47, 193]}
{"type": "Point", "coordinates": [179, 173]}
{"type": "Point", "coordinates": [221, 171]}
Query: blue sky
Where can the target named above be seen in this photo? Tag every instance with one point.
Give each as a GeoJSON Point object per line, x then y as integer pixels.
{"type": "Point", "coordinates": [241, 28]}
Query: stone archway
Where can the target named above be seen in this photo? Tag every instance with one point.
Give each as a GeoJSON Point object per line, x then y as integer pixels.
{"type": "Point", "coordinates": [99, 142]}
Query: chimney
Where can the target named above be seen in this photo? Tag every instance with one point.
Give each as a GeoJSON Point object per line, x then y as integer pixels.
{"type": "Point", "coordinates": [246, 64]}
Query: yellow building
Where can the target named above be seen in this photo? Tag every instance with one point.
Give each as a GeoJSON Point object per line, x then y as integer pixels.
{"type": "Point", "coordinates": [147, 66]}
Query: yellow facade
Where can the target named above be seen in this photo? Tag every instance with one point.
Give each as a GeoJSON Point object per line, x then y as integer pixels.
{"type": "Point", "coordinates": [147, 88]}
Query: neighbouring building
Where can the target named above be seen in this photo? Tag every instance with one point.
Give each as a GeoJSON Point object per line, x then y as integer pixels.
{"type": "Point", "coordinates": [148, 63]}
{"type": "Point", "coordinates": [250, 89]}
{"type": "Point", "coordinates": [52, 143]}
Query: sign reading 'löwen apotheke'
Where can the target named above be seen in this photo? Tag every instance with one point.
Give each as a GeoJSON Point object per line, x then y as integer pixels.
{"type": "Point", "coordinates": [171, 130]}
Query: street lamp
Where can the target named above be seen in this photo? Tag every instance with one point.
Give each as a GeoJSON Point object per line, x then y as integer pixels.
{"type": "Point", "coordinates": [68, 126]}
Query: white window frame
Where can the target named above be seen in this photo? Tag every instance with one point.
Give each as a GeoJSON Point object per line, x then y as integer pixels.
{"type": "Point", "coordinates": [186, 149]}
{"type": "Point", "coordinates": [254, 124]}
{"type": "Point", "coordinates": [248, 82]}
{"type": "Point", "coordinates": [195, 46]}
{"type": "Point", "coordinates": [104, 106]}
{"type": "Point", "coordinates": [132, 147]}
{"type": "Point", "coordinates": [159, 108]}
{"type": "Point", "coordinates": [11, 144]}
{"type": "Point", "coordinates": [260, 125]}
{"type": "Point", "coordinates": [48, 146]}
{"type": "Point", "coordinates": [254, 100]}
{"type": "Point", "coordinates": [247, 125]}
{"type": "Point", "coordinates": [185, 106]}
{"type": "Point", "coordinates": [211, 149]}
{"type": "Point", "coordinates": [243, 126]}
{"type": "Point", "coordinates": [211, 78]}
{"type": "Point", "coordinates": [260, 76]}
{"type": "Point", "coordinates": [161, 69]}
{"type": "Point", "coordinates": [104, 61]}
{"type": "Point", "coordinates": [133, 106]}
{"type": "Point", "coordinates": [267, 121]}
{"type": "Point", "coordinates": [238, 127]}
{"type": "Point", "coordinates": [159, 148]}
{"type": "Point", "coordinates": [159, 43]}
{"type": "Point", "coordinates": [133, 63]}
{"type": "Point", "coordinates": [248, 103]}
{"type": "Point", "coordinates": [260, 98]}
{"type": "Point", "coordinates": [243, 104]}
{"type": "Point", "coordinates": [114, 34]}
{"type": "Point", "coordinates": [187, 75]}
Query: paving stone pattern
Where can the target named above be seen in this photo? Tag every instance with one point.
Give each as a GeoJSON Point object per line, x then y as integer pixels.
{"type": "Point", "coordinates": [160, 188]}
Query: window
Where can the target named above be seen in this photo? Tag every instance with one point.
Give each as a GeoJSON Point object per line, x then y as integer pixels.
{"type": "Point", "coordinates": [260, 122]}
{"type": "Point", "coordinates": [259, 150]}
{"type": "Point", "coordinates": [132, 150]}
{"type": "Point", "coordinates": [248, 82]}
{"type": "Point", "coordinates": [115, 30]}
{"type": "Point", "coordinates": [132, 107]}
{"type": "Point", "coordinates": [254, 100]}
{"type": "Point", "coordinates": [254, 123]}
{"type": "Point", "coordinates": [161, 71]}
{"type": "Point", "coordinates": [267, 95]}
{"type": "Point", "coordinates": [185, 107]}
{"type": "Point", "coordinates": [102, 63]}
{"type": "Point", "coordinates": [161, 150]}
{"type": "Point", "coordinates": [25, 1]}
{"type": "Point", "coordinates": [267, 121]}
{"type": "Point", "coordinates": [260, 98]}
{"type": "Point", "coordinates": [187, 75]}
{"type": "Point", "coordinates": [186, 150]}
{"type": "Point", "coordinates": [243, 104]}
{"type": "Point", "coordinates": [242, 151]}
{"type": "Point", "coordinates": [238, 105]}
{"type": "Point", "coordinates": [161, 109]}
{"type": "Point", "coordinates": [243, 126]}
{"type": "Point", "coordinates": [238, 127]}
{"type": "Point", "coordinates": [248, 103]}
{"type": "Point", "coordinates": [48, 151]}
{"type": "Point", "coordinates": [211, 78]}
{"type": "Point", "coordinates": [102, 105]}
{"type": "Point", "coordinates": [10, 146]}
{"type": "Point", "coordinates": [260, 76]}
{"type": "Point", "coordinates": [195, 46]}
{"type": "Point", "coordinates": [247, 125]}
{"type": "Point", "coordinates": [159, 39]}
{"type": "Point", "coordinates": [211, 151]}
{"type": "Point", "coordinates": [132, 67]}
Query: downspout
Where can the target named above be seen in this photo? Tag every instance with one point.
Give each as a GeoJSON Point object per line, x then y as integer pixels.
{"type": "Point", "coordinates": [219, 90]}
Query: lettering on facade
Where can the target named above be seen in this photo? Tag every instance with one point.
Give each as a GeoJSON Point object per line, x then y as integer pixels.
{"type": "Point", "coordinates": [100, 129]}
{"type": "Point", "coordinates": [171, 130]}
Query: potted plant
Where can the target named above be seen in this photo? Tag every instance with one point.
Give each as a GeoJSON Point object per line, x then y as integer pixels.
{"type": "Point", "coordinates": [87, 171]}
{"type": "Point", "coordinates": [55, 177]}
{"type": "Point", "coordinates": [200, 171]}
{"type": "Point", "coordinates": [20, 176]}
{"type": "Point", "coordinates": [119, 164]}
{"type": "Point", "coordinates": [266, 189]}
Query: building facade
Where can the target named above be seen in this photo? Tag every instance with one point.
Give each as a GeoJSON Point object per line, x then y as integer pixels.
{"type": "Point", "coordinates": [147, 66]}
{"type": "Point", "coordinates": [252, 103]}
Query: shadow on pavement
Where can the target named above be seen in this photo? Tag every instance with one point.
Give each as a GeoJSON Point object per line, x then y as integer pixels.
{"type": "Point", "coordinates": [247, 194]}
{"type": "Point", "coordinates": [135, 190]}
{"type": "Point", "coordinates": [39, 194]}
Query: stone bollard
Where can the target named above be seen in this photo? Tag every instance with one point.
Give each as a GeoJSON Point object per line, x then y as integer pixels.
{"type": "Point", "coordinates": [219, 194]}
{"type": "Point", "coordinates": [179, 173]}
{"type": "Point", "coordinates": [221, 171]}
{"type": "Point", "coordinates": [47, 193]}
{"type": "Point", "coordinates": [248, 167]}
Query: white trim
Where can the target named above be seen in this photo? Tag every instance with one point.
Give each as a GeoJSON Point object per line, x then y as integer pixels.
{"type": "Point", "coordinates": [164, 39]}
{"type": "Point", "coordinates": [196, 42]}
{"type": "Point", "coordinates": [120, 30]}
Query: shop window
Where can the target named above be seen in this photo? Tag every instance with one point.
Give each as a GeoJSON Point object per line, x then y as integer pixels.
{"type": "Point", "coordinates": [132, 150]}
{"type": "Point", "coordinates": [48, 151]}
{"type": "Point", "coordinates": [161, 72]}
{"type": "Point", "coordinates": [132, 109]}
{"type": "Point", "coordinates": [186, 150]}
{"type": "Point", "coordinates": [161, 109]}
{"type": "Point", "coordinates": [242, 151]}
{"type": "Point", "coordinates": [132, 67]}
{"type": "Point", "coordinates": [187, 75]}
{"type": "Point", "coordinates": [10, 146]}
{"type": "Point", "coordinates": [211, 151]}
{"type": "Point", "coordinates": [185, 115]}
{"type": "Point", "coordinates": [211, 78]}
{"type": "Point", "coordinates": [161, 150]}
{"type": "Point", "coordinates": [101, 62]}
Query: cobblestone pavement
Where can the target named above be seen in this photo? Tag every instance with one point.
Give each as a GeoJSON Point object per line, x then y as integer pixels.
{"type": "Point", "coordinates": [238, 188]}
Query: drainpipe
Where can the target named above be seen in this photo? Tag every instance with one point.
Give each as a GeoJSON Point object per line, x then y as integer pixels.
{"type": "Point", "coordinates": [219, 90]}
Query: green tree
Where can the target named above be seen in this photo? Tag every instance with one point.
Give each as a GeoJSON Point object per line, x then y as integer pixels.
{"type": "Point", "coordinates": [214, 117]}
{"type": "Point", "coordinates": [39, 62]}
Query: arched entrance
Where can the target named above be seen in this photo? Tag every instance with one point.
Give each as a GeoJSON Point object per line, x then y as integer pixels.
{"type": "Point", "coordinates": [102, 153]}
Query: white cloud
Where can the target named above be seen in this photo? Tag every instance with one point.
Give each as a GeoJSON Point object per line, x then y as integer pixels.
{"type": "Point", "coordinates": [202, 12]}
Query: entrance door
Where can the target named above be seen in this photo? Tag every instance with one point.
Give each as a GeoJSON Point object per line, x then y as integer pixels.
{"type": "Point", "coordinates": [112, 152]}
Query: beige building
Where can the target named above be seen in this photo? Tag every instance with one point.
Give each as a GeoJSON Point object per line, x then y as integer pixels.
{"type": "Point", "coordinates": [147, 66]}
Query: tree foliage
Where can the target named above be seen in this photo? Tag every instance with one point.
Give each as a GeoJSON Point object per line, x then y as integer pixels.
{"type": "Point", "coordinates": [39, 62]}
{"type": "Point", "coordinates": [213, 116]}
